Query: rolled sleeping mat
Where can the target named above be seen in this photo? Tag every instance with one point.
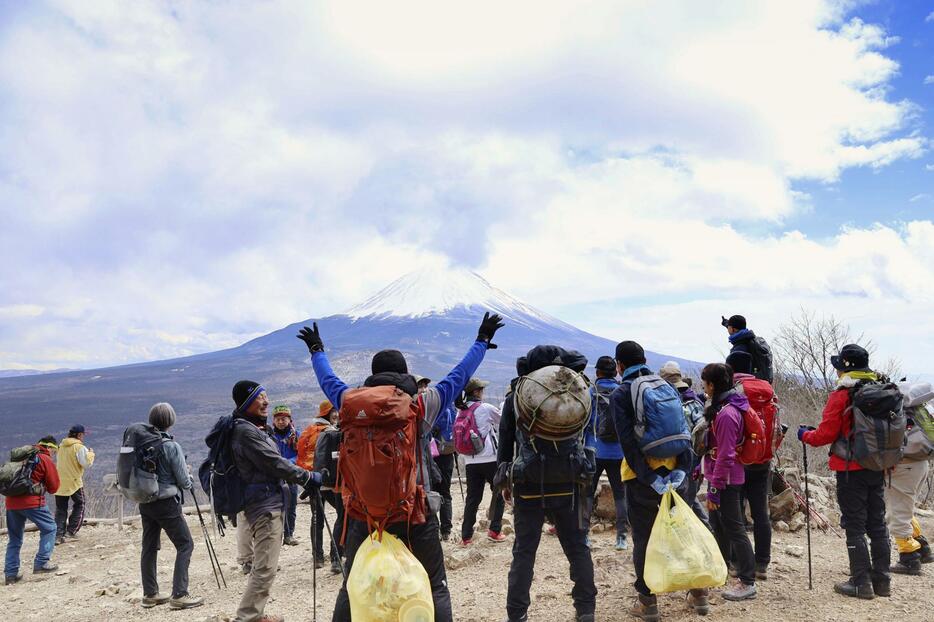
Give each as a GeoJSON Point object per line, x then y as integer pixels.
{"type": "Point", "coordinates": [553, 402]}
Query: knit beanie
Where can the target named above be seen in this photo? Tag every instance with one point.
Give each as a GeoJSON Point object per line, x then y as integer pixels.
{"type": "Point", "coordinates": [244, 392]}
{"type": "Point", "coordinates": [606, 366]}
{"type": "Point", "coordinates": [630, 353]}
{"type": "Point", "coordinates": [389, 361]}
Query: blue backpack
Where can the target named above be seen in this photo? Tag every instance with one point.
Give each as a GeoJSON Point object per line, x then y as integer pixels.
{"type": "Point", "coordinates": [219, 476]}
{"type": "Point", "coordinates": [660, 427]}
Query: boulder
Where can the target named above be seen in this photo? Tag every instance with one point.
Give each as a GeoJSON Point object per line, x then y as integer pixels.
{"type": "Point", "coordinates": [462, 559]}
{"type": "Point", "coordinates": [797, 522]}
{"type": "Point", "coordinates": [604, 507]}
{"type": "Point", "coordinates": [783, 506]}
{"type": "Point", "coordinates": [780, 526]}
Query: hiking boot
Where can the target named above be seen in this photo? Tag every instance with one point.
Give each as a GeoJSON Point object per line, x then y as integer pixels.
{"type": "Point", "coordinates": [319, 562]}
{"type": "Point", "coordinates": [645, 608]}
{"type": "Point", "coordinates": [10, 579]}
{"type": "Point", "coordinates": [908, 563]}
{"type": "Point", "coordinates": [289, 541]}
{"type": "Point", "coordinates": [524, 618]}
{"type": "Point", "coordinates": [59, 540]}
{"type": "Point", "coordinates": [848, 588]}
{"type": "Point", "coordinates": [927, 556]}
{"type": "Point", "coordinates": [70, 537]}
{"type": "Point", "coordinates": [552, 531]}
{"type": "Point", "coordinates": [466, 542]}
{"type": "Point", "coordinates": [495, 536]}
{"type": "Point", "coordinates": [740, 591]}
{"type": "Point", "coordinates": [336, 566]}
{"type": "Point", "coordinates": [185, 601]}
{"type": "Point", "coordinates": [44, 568]}
{"type": "Point", "coordinates": [246, 567]}
{"type": "Point", "coordinates": [445, 536]}
{"type": "Point", "coordinates": [698, 599]}
{"type": "Point", "coordinates": [622, 543]}
{"type": "Point", "coordinates": [155, 600]}
{"type": "Point", "coordinates": [882, 587]}
{"type": "Point", "coordinates": [584, 617]}
{"type": "Point", "coordinates": [762, 572]}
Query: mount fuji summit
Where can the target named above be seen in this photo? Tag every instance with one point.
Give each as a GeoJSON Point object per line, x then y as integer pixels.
{"type": "Point", "coordinates": [431, 315]}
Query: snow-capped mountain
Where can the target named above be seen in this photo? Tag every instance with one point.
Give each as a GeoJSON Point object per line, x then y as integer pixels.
{"type": "Point", "coordinates": [431, 315]}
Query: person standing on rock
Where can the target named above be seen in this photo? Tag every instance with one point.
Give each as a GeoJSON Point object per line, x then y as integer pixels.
{"type": "Point", "coordinates": [265, 473]}
{"type": "Point", "coordinates": [165, 514]}
{"type": "Point", "coordinates": [601, 435]}
{"type": "Point", "coordinates": [417, 529]}
{"type": "Point", "coordinates": [286, 437]}
{"type": "Point", "coordinates": [73, 459]}
{"type": "Point", "coordinates": [860, 492]}
{"type": "Point", "coordinates": [31, 507]}
{"type": "Point", "coordinates": [481, 466]}
{"type": "Point", "coordinates": [648, 477]}
{"type": "Point", "coordinates": [726, 476]}
{"type": "Point", "coordinates": [563, 500]}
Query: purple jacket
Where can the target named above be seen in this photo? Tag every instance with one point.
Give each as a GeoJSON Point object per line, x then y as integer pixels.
{"type": "Point", "coordinates": [726, 433]}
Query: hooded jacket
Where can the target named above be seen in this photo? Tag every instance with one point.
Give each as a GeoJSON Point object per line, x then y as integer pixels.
{"type": "Point", "coordinates": [726, 432]}
{"type": "Point", "coordinates": [836, 420]}
{"type": "Point", "coordinates": [46, 474]}
{"type": "Point", "coordinates": [73, 458]}
{"type": "Point", "coordinates": [287, 442]}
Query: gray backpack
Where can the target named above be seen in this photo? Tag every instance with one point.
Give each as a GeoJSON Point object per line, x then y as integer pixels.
{"type": "Point", "coordinates": [877, 432]}
{"type": "Point", "coordinates": [138, 461]}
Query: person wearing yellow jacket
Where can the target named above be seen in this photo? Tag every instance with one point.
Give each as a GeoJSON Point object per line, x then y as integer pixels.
{"type": "Point", "coordinates": [73, 459]}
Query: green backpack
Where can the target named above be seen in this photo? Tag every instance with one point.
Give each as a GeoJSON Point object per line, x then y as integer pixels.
{"type": "Point", "coordinates": [16, 475]}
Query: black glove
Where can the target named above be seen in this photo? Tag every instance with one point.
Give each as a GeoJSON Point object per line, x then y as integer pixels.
{"type": "Point", "coordinates": [311, 485]}
{"type": "Point", "coordinates": [312, 338]}
{"type": "Point", "coordinates": [488, 328]}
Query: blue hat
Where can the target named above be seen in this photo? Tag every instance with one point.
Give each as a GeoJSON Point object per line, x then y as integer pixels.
{"type": "Point", "coordinates": [76, 429]}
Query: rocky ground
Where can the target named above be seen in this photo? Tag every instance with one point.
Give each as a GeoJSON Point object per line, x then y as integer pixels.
{"type": "Point", "coordinates": [99, 580]}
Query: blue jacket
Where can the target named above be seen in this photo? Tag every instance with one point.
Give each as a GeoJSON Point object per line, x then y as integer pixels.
{"type": "Point", "coordinates": [444, 424]}
{"type": "Point", "coordinates": [604, 450]}
{"type": "Point", "coordinates": [288, 450]}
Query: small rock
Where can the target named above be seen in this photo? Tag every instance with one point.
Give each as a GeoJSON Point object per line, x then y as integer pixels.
{"type": "Point", "coordinates": [781, 526]}
{"type": "Point", "coordinates": [794, 550]}
{"type": "Point", "coordinates": [598, 528]}
{"type": "Point", "coordinates": [61, 573]}
{"type": "Point", "coordinates": [461, 559]}
{"type": "Point", "coordinates": [507, 530]}
{"type": "Point", "coordinates": [797, 522]}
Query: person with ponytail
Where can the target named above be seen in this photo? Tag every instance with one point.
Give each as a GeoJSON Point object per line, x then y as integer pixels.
{"type": "Point", "coordinates": [726, 476]}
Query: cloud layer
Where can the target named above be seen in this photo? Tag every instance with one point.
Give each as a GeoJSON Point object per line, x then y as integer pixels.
{"type": "Point", "coordinates": [174, 180]}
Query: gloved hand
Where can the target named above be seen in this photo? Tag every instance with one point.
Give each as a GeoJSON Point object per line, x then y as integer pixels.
{"type": "Point", "coordinates": [676, 478]}
{"type": "Point", "coordinates": [660, 485]}
{"type": "Point", "coordinates": [312, 338]}
{"type": "Point", "coordinates": [802, 429]}
{"type": "Point", "coordinates": [311, 485]}
{"type": "Point", "coordinates": [488, 328]}
{"type": "Point", "coordinates": [713, 499]}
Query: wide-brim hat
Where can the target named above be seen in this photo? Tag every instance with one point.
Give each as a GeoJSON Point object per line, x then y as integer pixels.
{"type": "Point", "coordinates": [475, 384]}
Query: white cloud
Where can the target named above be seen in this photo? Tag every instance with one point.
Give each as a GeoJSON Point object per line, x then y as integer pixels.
{"type": "Point", "coordinates": [930, 17]}
{"type": "Point", "coordinates": [929, 79]}
{"type": "Point", "coordinates": [177, 180]}
{"type": "Point", "coordinates": [923, 196]}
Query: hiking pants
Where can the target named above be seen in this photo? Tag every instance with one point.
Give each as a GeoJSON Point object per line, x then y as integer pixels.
{"type": "Point", "coordinates": [756, 489]}
{"type": "Point", "coordinates": [266, 533]}
{"type": "Point", "coordinates": [445, 464]}
{"type": "Point", "coordinates": [289, 508]}
{"type": "Point", "coordinates": [158, 516]}
{"type": "Point", "coordinates": [612, 468]}
{"type": "Point", "coordinates": [900, 495]}
{"type": "Point", "coordinates": [244, 541]}
{"type": "Point", "coordinates": [529, 516]}
{"type": "Point", "coordinates": [425, 543]}
{"type": "Point", "coordinates": [334, 500]}
{"type": "Point", "coordinates": [62, 518]}
{"type": "Point", "coordinates": [861, 495]}
{"type": "Point", "coordinates": [642, 503]}
{"type": "Point", "coordinates": [16, 526]}
{"type": "Point", "coordinates": [690, 494]}
{"type": "Point", "coordinates": [478, 476]}
{"type": "Point", "coordinates": [730, 531]}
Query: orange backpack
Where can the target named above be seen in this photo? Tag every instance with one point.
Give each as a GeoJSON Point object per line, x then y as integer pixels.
{"type": "Point", "coordinates": [306, 446]}
{"type": "Point", "coordinates": [762, 399]}
{"type": "Point", "coordinates": [380, 457]}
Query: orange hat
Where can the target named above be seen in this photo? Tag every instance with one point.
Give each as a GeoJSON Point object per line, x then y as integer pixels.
{"type": "Point", "coordinates": [324, 409]}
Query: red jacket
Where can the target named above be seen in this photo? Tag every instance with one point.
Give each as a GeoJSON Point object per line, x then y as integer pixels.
{"type": "Point", "coordinates": [835, 423]}
{"type": "Point", "coordinates": [46, 474]}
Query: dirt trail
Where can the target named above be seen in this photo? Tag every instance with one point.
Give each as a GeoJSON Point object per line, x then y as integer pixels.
{"type": "Point", "coordinates": [99, 580]}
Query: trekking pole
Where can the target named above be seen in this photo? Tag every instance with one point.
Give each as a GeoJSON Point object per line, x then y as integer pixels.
{"type": "Point", "coordinates": [327, 526]}
{"type": "Point", "coordinates": [212, 554]}
{"type": "Point", "coordinates": [316, 503]}
{"type": "Point", "coordinates": [460, 480]}
{"type": "Point", "coordinates": [807, 504]}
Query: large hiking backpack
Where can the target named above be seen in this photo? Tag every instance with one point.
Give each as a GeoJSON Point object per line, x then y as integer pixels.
{"type": "Point", "coordinates": [467, 438]}
{"type": "Point", "coordinates": [541, 461]}
{"type": "Point", "coordinates": [919, 409]}
{"type": "Point", "coordinates": [380, 456]}
{"type": "Point", "coordinates": [137, 463]}
{"type": "Point", "coordinates": [16, 475]}
{"type": "Point", "coordinates": [327, 449]}
{"type": "Point", "coordinates": [553, 402]}
{"type": "Point", "coordinates": [761, 359]}
{"type": "Point", "coordinates": [877, 428]}
{"type": "Point", "coordinates": [762, 399]}
{"type": "Point", "coordinates": [307, 442]}
{"type": "Point", "coordinates": [693, 412]}
{"type": "Point", "coordinates": [660, 427]}
{"type": "Point", "coordinates": [604, 426]}
{"type": "Point", "coordinates": [755, 447]}
{"type": "Point", "coordinates": [219, 476]}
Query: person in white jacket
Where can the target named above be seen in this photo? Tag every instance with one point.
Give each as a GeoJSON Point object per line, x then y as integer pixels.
{"type": "Point", "coordinates": [481, 467]}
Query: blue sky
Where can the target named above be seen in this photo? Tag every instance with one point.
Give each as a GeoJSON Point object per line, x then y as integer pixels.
{"type": "Point", "coordinates": [180, 177]}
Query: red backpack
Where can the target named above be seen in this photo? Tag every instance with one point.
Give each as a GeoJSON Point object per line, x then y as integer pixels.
{"type": "Point", "coordinates": [466, 430]}
{"type": "Point", "coordinates": [762, 400]}
{"type": "Point", "coordinates": [380, 457]}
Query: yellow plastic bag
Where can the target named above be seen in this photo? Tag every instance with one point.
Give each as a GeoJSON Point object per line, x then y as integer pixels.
{"type": "Point", "coordinates": [682, 554]}
{"type": "Point", "coordinates": [387, 583]}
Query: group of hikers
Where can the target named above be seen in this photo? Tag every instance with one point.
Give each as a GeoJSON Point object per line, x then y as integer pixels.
{"type": "Point", "coordinates": [383, 455]}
